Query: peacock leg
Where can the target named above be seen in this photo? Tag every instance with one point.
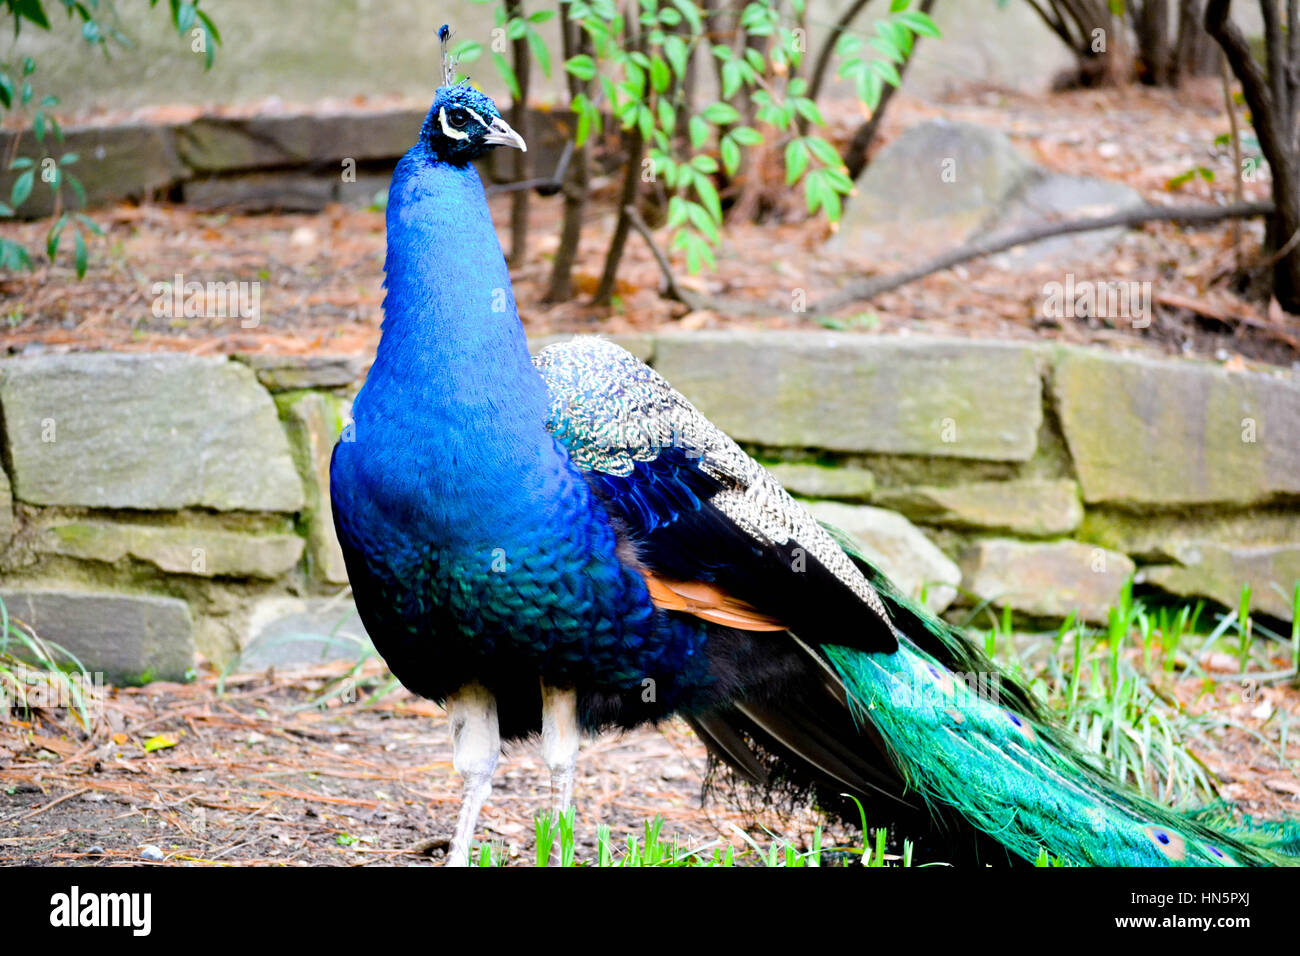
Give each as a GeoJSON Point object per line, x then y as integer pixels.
{"type": "Point", "coordinates": [560, 745]}
{"type": "Point", "coordinates": [475, 747]}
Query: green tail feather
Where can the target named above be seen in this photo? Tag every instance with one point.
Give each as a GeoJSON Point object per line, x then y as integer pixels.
{"type": "Point", "coordinates": [985, 748]}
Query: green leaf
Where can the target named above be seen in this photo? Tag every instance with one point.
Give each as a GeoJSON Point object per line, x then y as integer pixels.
{"type": "Point", "coordinates": [919, 23]}
{"type": "Point", "coordinates": [692, 15]}
{"type": "Point", "coordinates": [796, 161]}
{"type": "Point", "coordinates": [747, 136]}
{"type": "Point", "coordinates": [708, 194]}
{"type": "Point", "coordinates": [730, 155]}
{"type": "Point", "coordinates": [507, 74]}
{"type": "Point", "coordinates": [52, 237]}
{"type": "Point", "coordinates": [77, 188]}
{"type": "Point", "coordinates": [721, 113]}
{"type": "Point", "coordinates": [667, 116]}
{"type": "Point", "coordinates": [185, 15]}
{"type": "Point", "coordinates": [580, 107]}
{"type": "Point", "coordinates": [540, 51]}
{"type": "Point", "coordinates": [678, 55]}
{"type": "Point", "coordinates": [661, 74]}
{"type": "Point", "coordinates": [90, 224]}
{"type": "Point", "coordinates": [731, 78]}
{"type": "Point", "coordinates": [702, 221]}
{"type": "Point", "coordinates": [808, 110]}
{"type": "Point", "coordinates": [6, 91]}
{"type": "Point", "coordinates": [466, 51]}
{"type": "Point", "coordinates": [824, 151]}
{"type": "Point", "coordinates": [814, 192]}
{"type": "Point", "coordinates": [699, 131]}
{"type": "Point", "coordinates": [209, 26]}
{"type": "Point", "coordinates": [29, 10]}
{"type": "Point", "coordinates": [677, 211]}
{"type": "Point", "coordinates": [22, 188]}
{"type": "Point", "coordinates": [6, 209]}
{"type": "Point", "coordinates": [887, 48]}
{"type": "Point", "coordinates": [848, 44]}
{"type": "Point", "coordinates": [13, 256]}
{"type": "Point", "coordinates": [704, 163]}
{"type": "Point", "coordinates": [80, 257]}
{"type": "Point", "coordinates": [886, 71]}
{"type": "Point", "coordinates": [582, 66]}
{"type": "Point", "coordinates": [634, 80]}
{"type": "Point", "coordinates": [839, 180]}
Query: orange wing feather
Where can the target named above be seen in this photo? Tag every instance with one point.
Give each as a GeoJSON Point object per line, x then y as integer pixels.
{"type": "Point", "coordinates": [708, 602]}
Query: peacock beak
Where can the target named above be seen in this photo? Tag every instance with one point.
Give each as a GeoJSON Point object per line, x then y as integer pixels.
{"type": "Point", "coordinates": [500, 134]}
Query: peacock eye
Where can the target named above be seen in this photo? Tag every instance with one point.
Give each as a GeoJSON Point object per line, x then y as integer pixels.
{"type": "Point", "coordinates": [457, 117]}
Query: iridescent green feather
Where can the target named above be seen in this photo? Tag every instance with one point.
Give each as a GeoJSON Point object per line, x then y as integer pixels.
{"type": "Point", "coordinates": [1010, 771]}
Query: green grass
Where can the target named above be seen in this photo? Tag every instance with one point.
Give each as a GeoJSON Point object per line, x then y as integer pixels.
{"type": "Point", "coordinates": [556, 845]}
{"type": "Point", "coordinates": [1110, 686]}
{"type": "Point", "coordinates": [36, 674]}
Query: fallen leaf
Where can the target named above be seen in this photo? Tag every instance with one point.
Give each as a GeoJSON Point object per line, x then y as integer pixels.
{"type": "Point", "coordinates": [1283, 785]}
{"type": "Point", "coordinates": [51, 743]}
{"type": "Point", "coordinates": [159, 742]}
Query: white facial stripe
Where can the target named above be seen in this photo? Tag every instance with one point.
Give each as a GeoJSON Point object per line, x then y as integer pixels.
{"type": "Point", "coordinates": [447, 130]}
{"type": "Point", "coordinates": [485, 124]}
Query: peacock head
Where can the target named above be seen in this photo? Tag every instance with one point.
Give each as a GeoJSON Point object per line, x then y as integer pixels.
{"type": "Point", "coordinates": [463, 123]}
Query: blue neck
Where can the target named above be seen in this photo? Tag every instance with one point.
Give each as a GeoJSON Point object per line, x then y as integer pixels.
{"type": "Point", "coordinates": [453, 406]}
{"type": "Point", "coordinates": [451, 328]}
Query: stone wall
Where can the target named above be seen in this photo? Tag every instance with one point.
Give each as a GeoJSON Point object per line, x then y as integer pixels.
{"type": "Point", "coordinates": [156, 507]}
{"type": "Point", "coordinates": [292, 161]}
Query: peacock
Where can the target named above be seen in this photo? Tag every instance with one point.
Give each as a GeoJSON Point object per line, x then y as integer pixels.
{"type": "Point", "coordinates": [565, 545]}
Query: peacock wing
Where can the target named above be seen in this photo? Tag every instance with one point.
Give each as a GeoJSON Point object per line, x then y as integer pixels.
{"type": "Point", "coordinates": [697, 509]}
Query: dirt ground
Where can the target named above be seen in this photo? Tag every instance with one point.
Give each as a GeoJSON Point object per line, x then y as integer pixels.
{"type": "Point", "coordinates": [261, 776]}
{"type": "Point", "coordinates": [320, 274]}
{"type": "Point", "coordinates": [254, 779]}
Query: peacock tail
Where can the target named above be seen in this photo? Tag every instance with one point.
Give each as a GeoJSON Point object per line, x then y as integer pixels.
{"type": "Point", "coordinates": [1011, 772]}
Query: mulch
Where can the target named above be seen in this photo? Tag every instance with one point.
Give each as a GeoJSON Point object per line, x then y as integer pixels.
{"type": "Point", "coordinates": [256, 772]}
{"type": "Point", "coordinates": [321, 274]}
{"type": "Point", "coordinates": [260, 775]}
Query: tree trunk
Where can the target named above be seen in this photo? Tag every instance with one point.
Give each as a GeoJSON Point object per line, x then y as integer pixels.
{"type": "Point", "coordinates": [522, 162]}
{"type": "Point", "coordinates": [1272, 102]}
{"type": "Point", "coordinates": [560, 287]}
{"type": "Point", "coordinates": [626, 200]}
{"type": "Point", "coordinates": [1154, 61]}
{"type": "Point", "coordinates": [1195, 53]}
